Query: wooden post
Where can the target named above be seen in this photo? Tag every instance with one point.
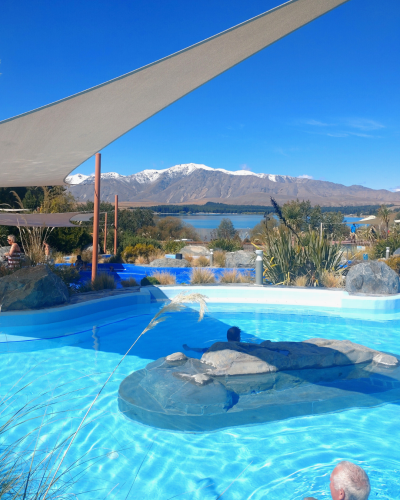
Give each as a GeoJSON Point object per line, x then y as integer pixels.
{"type": "Point", "coordinates": [95, 252]}
{"type": "Point", "coordinates": [105, 233]}
{"type": "Point", "coordinates": [116, 225]}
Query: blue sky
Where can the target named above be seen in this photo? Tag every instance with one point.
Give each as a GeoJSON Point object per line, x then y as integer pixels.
{"type": "Point", "coordinates": [323, 102]}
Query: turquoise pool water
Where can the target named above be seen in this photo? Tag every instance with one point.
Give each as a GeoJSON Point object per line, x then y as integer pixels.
{"type": "Point", "coordinates": [285, 460]}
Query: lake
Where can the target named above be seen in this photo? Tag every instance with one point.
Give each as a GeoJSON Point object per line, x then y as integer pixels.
{"type": "Point", "coordinates": [205, 223]}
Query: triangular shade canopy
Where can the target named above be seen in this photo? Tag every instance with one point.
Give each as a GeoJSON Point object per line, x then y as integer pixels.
{"type": "Point", "coordinates": [43, 220]}
{"type": "Point", "coordinates": [42, 147]}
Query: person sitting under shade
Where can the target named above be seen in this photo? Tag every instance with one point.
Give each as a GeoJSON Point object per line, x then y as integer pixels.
{"type": "Point", "coordinates": [348, 482]}
{"type": "Point", "coordinates": [232, 335]}
{"type": "Point", "coordinates": [14, 255]}
{"type": "Point", "coordinates": [79, 264]}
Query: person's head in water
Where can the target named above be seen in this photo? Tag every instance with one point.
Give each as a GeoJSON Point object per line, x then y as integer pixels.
{"type": "Point", "coordinates": [78, 257]}
{"type": "Point", "coordinates": [233, 334]}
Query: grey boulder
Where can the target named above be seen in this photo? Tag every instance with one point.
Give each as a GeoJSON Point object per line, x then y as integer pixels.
{"type": "Point", "coordinates": [195, 251]}
{"type": "Point", "coordinates": [239, 383]}
{"type": "Point", "coordinates": [397, 252]}
{"type": "Point", "coordinates": [32, 288]}
{"type": "Point", "coordinates": [169, 263]}
{"type": "Point", "coordinates": [240, 259]}
{"type": "Point", "coordinates": [374, 277]}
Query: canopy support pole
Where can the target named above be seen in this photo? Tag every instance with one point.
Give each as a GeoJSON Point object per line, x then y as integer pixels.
{"type": "Point", "coordinates": [96, 212]}
{"type": "Point", "coordinates": [116, 225]}
{"type": "Point", "coordinates": [105, 233]}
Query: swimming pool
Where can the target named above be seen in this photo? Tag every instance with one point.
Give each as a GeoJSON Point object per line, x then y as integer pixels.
{"type": "Point", "coordinates": [287, 459]}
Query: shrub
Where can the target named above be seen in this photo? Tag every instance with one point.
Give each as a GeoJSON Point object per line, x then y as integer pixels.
{"type": "Point", "coordinates": [201, 275]}
{"type": "Point", "coordinates": [394, 263]}
{"type": "Point", "coordinates": [157, 254]}
{"type": "Point", "coordinates": [141, 260]}
{"type": "Point", "coordinates": [331, 280]}
{"type": "Point", "coordinates": [219, 258]}
{"type": "Point", "coordinates": [130, 254]}
{"type": "Point", "coordinates": [58, 258]}
{"type": "Point", "coordinates": [68, 274]}
{"type": "Point", "coordinates": [115, 259]}
{"type": "Point", "coordinates": [202, 261]}
{"type": "Point", "coordinates": [129, 282]}
{"type": "Point", "coordinates": [393, 242]}
{"type": "Point", "coordinates": [173, 246]}
{"type": "Point", "coordinates": [103, 281]}
{"type": "Point", "coordinates": [227, 245]}
{"type": "Point", "coordinates": [164, 278]}
{"type": "Point", "coordinates": [149, 280]}
{"type": "Point", "coordinates": [129, 239]}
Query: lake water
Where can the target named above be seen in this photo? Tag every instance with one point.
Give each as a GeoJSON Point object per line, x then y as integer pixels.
{"type": "Point", "coordinates": [204, 224]}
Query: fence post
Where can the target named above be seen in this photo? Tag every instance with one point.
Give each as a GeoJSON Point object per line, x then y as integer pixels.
{"type": "Point", "coordinates": [211, 257]}
{"type": "Point", "coordinates": [259, 267]}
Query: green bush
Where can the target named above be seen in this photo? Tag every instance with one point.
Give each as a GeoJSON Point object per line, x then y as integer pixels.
{"type": "Point", "coordinates": [224, 244]}
{"type": "Point", "coordinates": [174, 246]}
{"type": "Point", "coordinates": [149, 280]}
{"type": "Point", "coordinates": [130, 254]}
{"type": "Point", "coordinates": [69, 275]}
{"type": "Point", "coordinates": [393, 242]}
{"type": "Point", "coordinates": [65, 239]}
{"type": "Point", "coordinates": [129, 239]}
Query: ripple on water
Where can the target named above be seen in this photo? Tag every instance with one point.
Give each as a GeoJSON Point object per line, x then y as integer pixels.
{"type": "Point", "coordinates": [275, 461]}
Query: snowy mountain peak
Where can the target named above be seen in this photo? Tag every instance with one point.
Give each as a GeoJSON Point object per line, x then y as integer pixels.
{"type": "Point", "coordinates": [183, 170]}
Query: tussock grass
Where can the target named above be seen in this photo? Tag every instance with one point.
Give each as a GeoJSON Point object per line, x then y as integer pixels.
{"type": "Point", "coordinates": [202, 261]}
{"type": "Point", "coordinates": [156, 254]}
{"type": "Point", "coordinates": [219, 258]}
{"type": "Point", "coordinates": [301, 281]}
{"type": "Point", "coordinates": [129, 282]}
{"type": "Point", "coordinates": [200, 275]}
{"type": "Point", "coordinates": [165, 278]}
{"type": "Point", "coordinates": [331, 280]}
{"type": "Point", "coordinates": [235, 276]}
{"type": "Point", "coordinates": [103, 281]}
{"type": "Point", "coordinates": [141, 260]}
{"type": "Point", "coordinates": [189, 258]}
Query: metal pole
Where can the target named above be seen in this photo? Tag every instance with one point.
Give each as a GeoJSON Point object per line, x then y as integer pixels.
{"type": "Point", "coordinates": [259, 267]}
{"type": "Point", "coordinates": [116, 225]}
{"type": "Point", "coordinates": [105, 233]}
{"type": "Point", "coordinates": [387, 252]}
{"type": "Point", "coordinates": [321, 230]}
{"type": "Point", "coordinates": [211, 257]}
{"type": "Point", "coordinates": [95, 251]}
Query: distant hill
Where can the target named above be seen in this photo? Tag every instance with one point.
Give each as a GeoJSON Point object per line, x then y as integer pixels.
{"type": "Point", "coordinates": [199, 184]}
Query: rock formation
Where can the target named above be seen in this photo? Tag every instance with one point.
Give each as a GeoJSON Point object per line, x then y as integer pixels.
{"type": "Point", "coordinates": [238, 383]}
{"type": "Point", "coordinates": [32, 288]}
{"type": "Point", "coordinates": [169, 263]}
{"type": "Point", "coordinates": [373, 277]}
{"type": "Point", "coordinates": [240, 259]}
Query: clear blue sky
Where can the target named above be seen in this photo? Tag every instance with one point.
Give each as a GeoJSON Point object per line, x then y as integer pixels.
{"type": "Point", "coordinates": [323, 102]}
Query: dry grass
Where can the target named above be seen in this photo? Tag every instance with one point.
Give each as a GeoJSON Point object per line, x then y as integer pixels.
{"type": "Point", "coordinates": [235, 276]}
{"type": "Point", "coordinates": [219, 258]}
{"type": "Point", "coordinates": [129, 282]}
{"type": "Point", "coordinates": [165, 278]}
{"type": "Point", "coordinates": [157, 254]}
{"type": "Point", "coordinates": [103, 281]}
{"type": "Point", "coordinates": [331, 280]}
{"type": "Point", "coordinates": [301, 281]}
{"type": "Point", "coordinates": [140, 260]}
{"type": "Point", "coordinates": [58, 258]}
{"type": "Point", "coordinates": [189, 258]}
{"type": "Point", "coordinates": [394, 263]}
{"type": "Point", "coordinates": [200, 275]}
{"type": "Point", "coordinates": [86, 255]}
{"type": "Point", "coordinates": [202, 261]}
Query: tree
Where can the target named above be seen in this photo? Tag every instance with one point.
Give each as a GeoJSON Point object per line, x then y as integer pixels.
{"type": "Point", "coordinates": [384, 215]}
{"type": "Point", "coordinates": [225, 230]}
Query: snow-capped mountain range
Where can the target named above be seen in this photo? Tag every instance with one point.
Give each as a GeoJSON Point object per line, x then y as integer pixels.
{"type": "Point", "coordinates": [193, 183]}
{"type": "Point", "coordinates": [147, 176]}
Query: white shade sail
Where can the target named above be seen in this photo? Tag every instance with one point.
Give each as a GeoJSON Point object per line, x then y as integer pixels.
{"type": "Point", "coordinates": [41, 147]}
{"type": "Point", "coordinates": [43, 220]}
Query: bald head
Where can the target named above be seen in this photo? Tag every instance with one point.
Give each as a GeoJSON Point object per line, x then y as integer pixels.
{"type": "Point", "coordinates": [349, 482]}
